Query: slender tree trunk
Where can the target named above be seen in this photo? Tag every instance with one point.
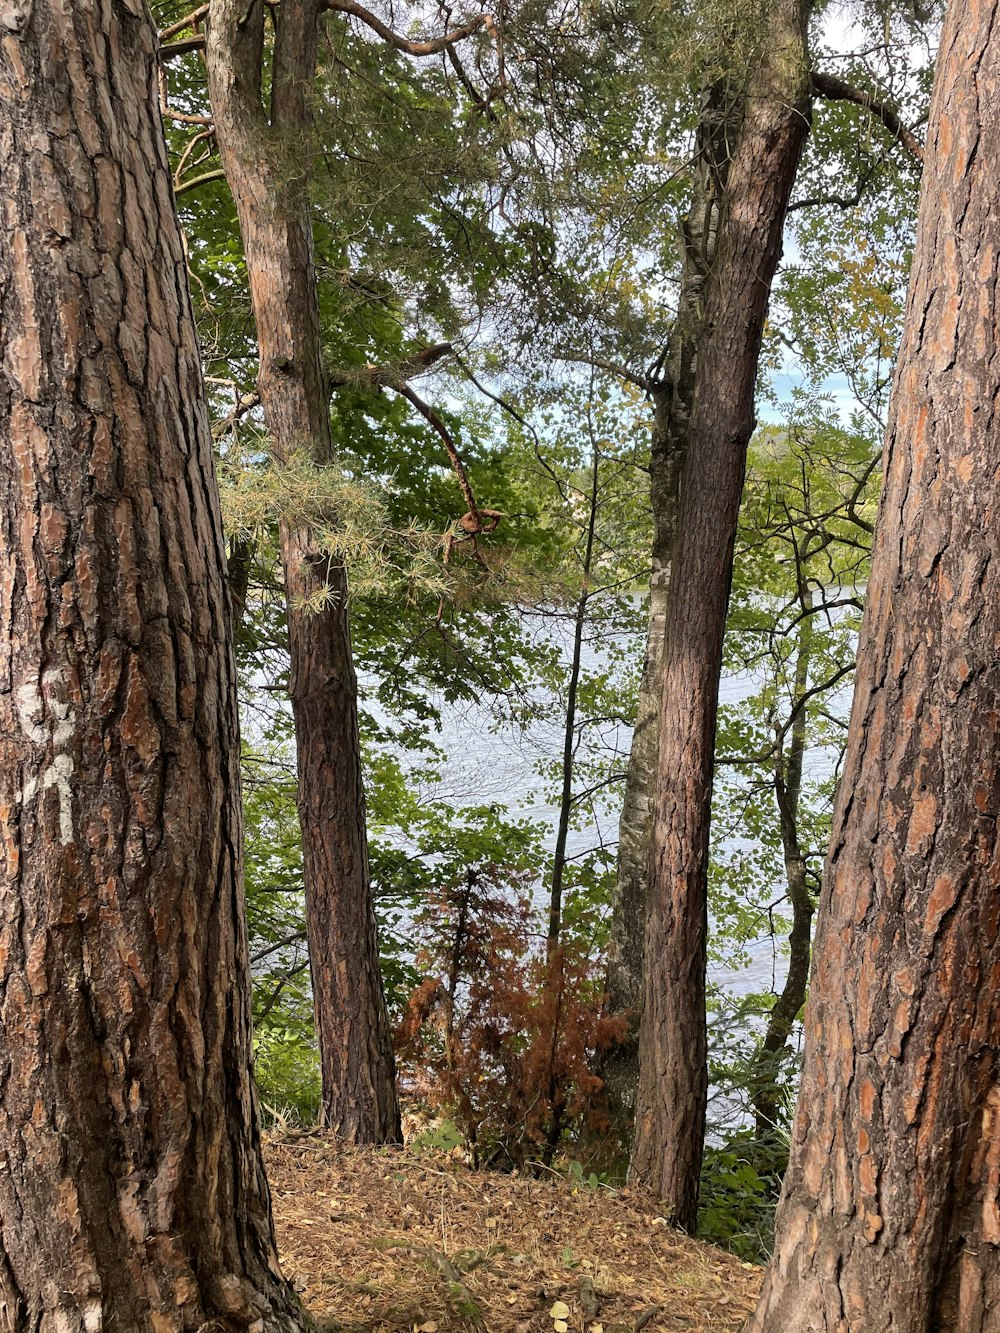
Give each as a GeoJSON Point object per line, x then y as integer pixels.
{"type": "Point", "coordinates": [890, 1215]}
{"type": "Point", "coordinates": [787, 790]}
{"type": "Point", "coordinates": [132, 1194]}
{"type": "Point", "coordinates": [266, 161]}
{"type": "Point", "coordinates": [566, 798]}
{"type": "Point", "coordinates": [670, 1116]}
{"type": "Point", "coordinates": [555, 980]}
{"type": "Point", "coordinates": [672, 392]}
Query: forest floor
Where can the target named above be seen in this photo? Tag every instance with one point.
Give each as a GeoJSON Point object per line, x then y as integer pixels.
{"type": "Point", "coordinates": [398, 1241]}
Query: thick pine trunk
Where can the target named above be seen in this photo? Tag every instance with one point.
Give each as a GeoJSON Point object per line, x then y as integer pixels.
{"type": "Point", "coordinates": [890, 1215]}
{"type": "Point", "coordinates": [266, 160]}
{"type": "Point", "coordinates": [672, 392]}
{"type": "Point", "coordinates": [671, 1103]}
{"type": "Point", "coordinates": [132, 1192]}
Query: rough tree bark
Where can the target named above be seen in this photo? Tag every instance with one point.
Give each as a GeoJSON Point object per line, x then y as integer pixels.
{"type": "Point", "coordinates": [266, 158]}
{"type": "Point", "coordinates": [672, 392]}
{"type": "Point", "coordinates": [132, 1192]}
{"type": "Point", "coordinates": [670, 1113]}
{"type": "Point", "coordinates": [890, 1215]}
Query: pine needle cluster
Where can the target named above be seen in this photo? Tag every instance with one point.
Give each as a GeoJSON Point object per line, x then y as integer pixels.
{"type": "Point", "coordinates": [346, 517]}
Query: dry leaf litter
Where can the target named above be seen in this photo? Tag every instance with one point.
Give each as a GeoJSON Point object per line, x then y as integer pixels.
{"type": "Point", "coordinates": [392, 1241]}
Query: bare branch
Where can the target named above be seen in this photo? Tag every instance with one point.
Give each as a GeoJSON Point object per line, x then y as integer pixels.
{"type": "Point", "coordinates": [215, 175]}
{"type": "Point", "coordinates": [203, 136]}
{"type": "Point", "coordinates": [245, 402]}
{"type": "Point", "coordinates": [841, 201]}
{"type": "Point", "coordinates": [391, 376]}
{"type": "Point", "coordinates": [837, 90]}
{"type": "Point", "coordinates": [184, 119]}
{"type": "Point", "coordinates": [616, 368]}
{"type": "Point", "coordinates": [188, 21]}
{"type": "Point", "coordinates": [296, 937]}
{"type": "Point", "coordinates": [429, 415]}
{"type": "Point", "coordinates": [181, 48]}
{"type": "Point", "coordinates": [428, 48]}
{"type": "Point", "coordinates": [479, 99]}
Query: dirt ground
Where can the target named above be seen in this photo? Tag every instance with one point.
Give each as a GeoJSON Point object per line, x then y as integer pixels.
{"type": "Point", "coordinates": [395, 1241]}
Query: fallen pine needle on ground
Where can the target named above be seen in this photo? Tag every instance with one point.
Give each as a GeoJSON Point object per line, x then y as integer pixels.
{"type": "Point", "coordinates": [395, 1241]}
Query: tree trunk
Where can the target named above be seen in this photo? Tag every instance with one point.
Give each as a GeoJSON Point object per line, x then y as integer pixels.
{"type": "Point", "coordinates": [566, 798]}
{"type": "Point", "coordinates": [786, 1008]}
{"type": "Point", "coordinates": [670, 1116]}
{"type": "Point", "coordinates": [266, 161]}
{"type": "Point", "coordinates": [672, 392]}
{"type": "Point", "coordinates": [132, 1193]}
{"type": "Point", "coordinates": [890, 1215]}
{"type": "Point", "coordinates": [355, 1042]}
{"type": "Point", "coordinates": [239, 561]}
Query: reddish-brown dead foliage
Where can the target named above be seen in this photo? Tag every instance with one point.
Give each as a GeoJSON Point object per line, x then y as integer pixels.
{"type": "Point", "coordinates": [498, 1037]}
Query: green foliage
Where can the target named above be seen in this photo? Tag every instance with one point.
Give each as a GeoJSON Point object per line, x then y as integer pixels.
{"type": "Point", "coordinates": [737, 1202]}
{"type": "Point", "coordinates": [443, 1137]}
{"type": "Point", "coordinates": [520, 202]}
{"type": "Point", "coordinates": [578, 1173]}
{"type": "Point", "coordinates": [286, 1063]}
{"type": "Point", "coordinates": [286, 1067]}
{"type": "Point", "coordinates": [802, 563]}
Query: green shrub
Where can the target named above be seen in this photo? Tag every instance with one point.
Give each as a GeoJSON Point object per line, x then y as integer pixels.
{"type": "Point", "coordinates": [737, 1201]}
{"type": "Point", "coordinates": [289, 1086]}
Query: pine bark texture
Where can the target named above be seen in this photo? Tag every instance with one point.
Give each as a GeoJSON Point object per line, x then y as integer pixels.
{"type": "Point", "coordinates": [672, 393]}
{"type": "Point", "coordinates": [266, 160]}
{"type": "Point", "coordinates": [132, 1192]}
{"type": "Point", "coordinates": [890, 1215]}
{"type": "Point", "coordinates": [671, 1105]}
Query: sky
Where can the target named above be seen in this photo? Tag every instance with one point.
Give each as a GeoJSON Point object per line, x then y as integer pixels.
{"type": "Point", "coordinates": [839, 33]}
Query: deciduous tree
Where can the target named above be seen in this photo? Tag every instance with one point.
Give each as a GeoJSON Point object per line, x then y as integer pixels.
{"type": "Point", "coordinates": [670, 1113]}
{"type": "Point", "coordinates": [670, 385]}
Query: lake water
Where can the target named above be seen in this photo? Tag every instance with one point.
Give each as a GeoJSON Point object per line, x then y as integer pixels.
{"type": "Point", "coordinates": [487, 763]}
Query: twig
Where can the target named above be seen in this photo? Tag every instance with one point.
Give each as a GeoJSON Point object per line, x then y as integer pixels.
{"type": "Point", "coordinates": [216, 175]}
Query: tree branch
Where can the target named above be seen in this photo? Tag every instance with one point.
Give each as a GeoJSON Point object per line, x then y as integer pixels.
{"type": "Point", "coordinates": [836, 90]}
{"type": "Point", "coordinates": [183, 118]}
{"type": "Point", "coordinates": [296, 937]}
{"type": "Point", "coordinates": [430, 416]}
{"type": "Point", "coordinates": [429, 48]}
{"type": "Point", "coordinates": [181, 48]}
{"type": "Point", "coordinates": [829, 201]}
{"type": "Point", "coordinates": [616, 368]}
{"type": "Point", "coordinates": [216, 175]}
{"type": "Point", "coordinates": [391, 376]}
{"type": "Point", "coordinates": [188, 21]}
